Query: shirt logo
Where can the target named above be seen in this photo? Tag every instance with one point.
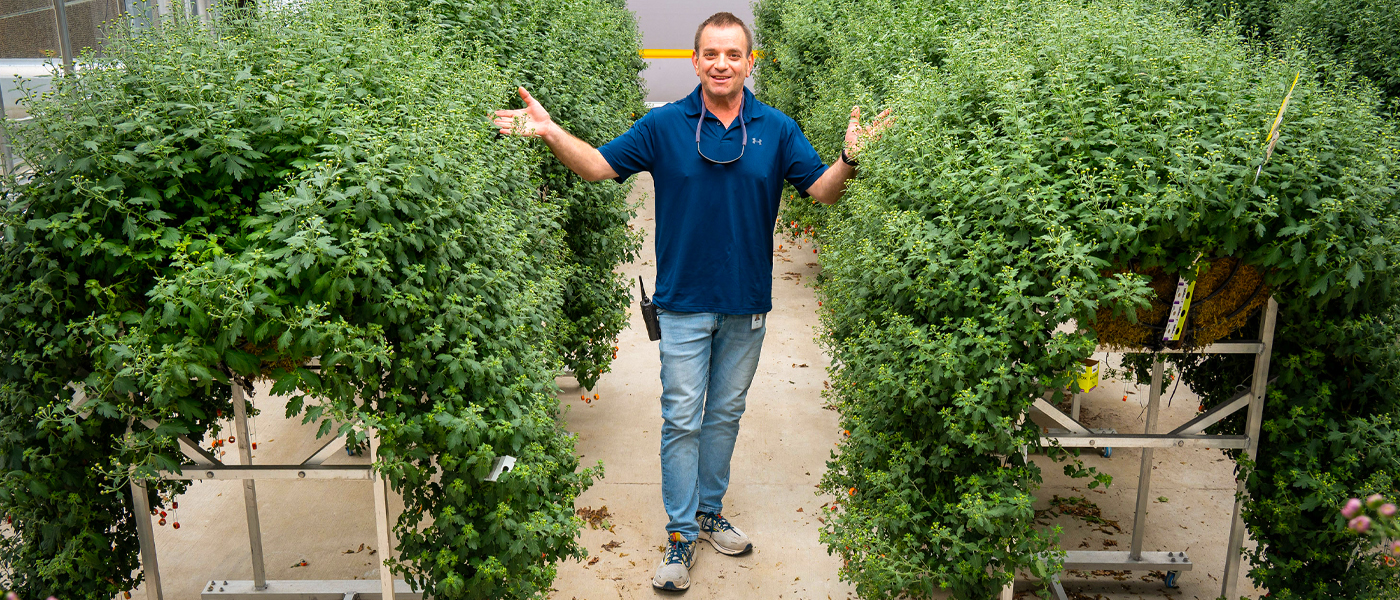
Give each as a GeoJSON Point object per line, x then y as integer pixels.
{"type": "Point", "coordinates": [757, 141]}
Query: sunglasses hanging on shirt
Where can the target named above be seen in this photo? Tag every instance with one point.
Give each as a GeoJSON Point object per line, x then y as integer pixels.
{"type": "Point", "coordinates": [743, 129]}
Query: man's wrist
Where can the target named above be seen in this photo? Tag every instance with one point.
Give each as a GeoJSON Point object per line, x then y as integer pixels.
{"type": "Point", "coordinates": [846, 158]}
{"type": "Point", "coordinates": [551, 133]}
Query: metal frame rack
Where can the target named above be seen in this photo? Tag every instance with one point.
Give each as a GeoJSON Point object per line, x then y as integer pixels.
{"type": "Point", "coordinates": [204, 465]}
{"type": "Point", "coordinates": [1070, 433]}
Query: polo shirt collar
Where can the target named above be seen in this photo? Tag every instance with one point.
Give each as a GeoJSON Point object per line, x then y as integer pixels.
{"type": "Point", "coordinates": [749, 110]}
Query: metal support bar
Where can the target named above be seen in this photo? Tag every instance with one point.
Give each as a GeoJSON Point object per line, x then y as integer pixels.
{"type": "Point", "coordinates": [6, 162]}
{"type": "Point", "coordinates": [381, 520]}
{"type": "Point", "coordinates": [1057, 588]}
{"type": "Point", "coordinates": [65, 43]}
{"type": "Point", "coordinates": [1259, 387]}
{"type": "Point", "coordinates": [326, 451]}
{"type": "Point", "coordinates": [141, 505]}
{"type": "Point", "coordinates": [1041, 407]}
{"type": "Point", "coordinates": [250, 490]}
{"type": "Point", "coordinates": [1074, 406]}
{"type": "Point", "coordinates": [307, 589]}
{"type": "Point", "coordinates": [1243, 347]}
{"type": "Point", "coordinates": [193, 452]}
{"type": "Point", "coordinates": [1117, 560]}
{"type": "Point", "coordinates": [1155, 440]}
{"type": "Point", "coordinates": [1215, 415]}
{"type": "Point", "coordinates": [187, 447]}
{"type": "Point", "coordinates": [252, 473]}
{"type": "Point", "coordinates": [1154, 397]}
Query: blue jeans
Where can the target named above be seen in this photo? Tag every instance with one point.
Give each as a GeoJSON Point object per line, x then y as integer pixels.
{"type": "Point", "coordinates": [707, 363]}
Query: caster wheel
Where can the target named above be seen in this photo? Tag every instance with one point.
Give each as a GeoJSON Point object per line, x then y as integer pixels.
{"type": "Point", "coordinates": [1171, 579]}
{"type": "Point", "coordinates": [1108, 452]}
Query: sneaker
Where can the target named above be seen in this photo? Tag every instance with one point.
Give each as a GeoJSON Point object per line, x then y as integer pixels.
{"type": "Point", "coordinates": [726, 538]}
{"type": "Point", "coordinates": [674, 571]}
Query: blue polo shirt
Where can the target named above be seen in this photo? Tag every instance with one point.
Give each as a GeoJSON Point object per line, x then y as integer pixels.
{"type": "Point", "coordinates": [714, 222]}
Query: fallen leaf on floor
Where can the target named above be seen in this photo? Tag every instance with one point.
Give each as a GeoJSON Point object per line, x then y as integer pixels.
{"type": "Point", "coordinates": [610, 545]}
{"type": "Point", "coordinates": [593, 561]}
{"type": "Point", "coordinates": [799, 510]}
{"type": "Point", "coordinates": [1110, 543]}
{"type": "Point", "coordinates": [596, 518]}
{"type": "Point", "coordinates": [622, 554]}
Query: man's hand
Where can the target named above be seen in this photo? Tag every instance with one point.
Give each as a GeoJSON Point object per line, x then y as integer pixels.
{"type": "Point", "coordinates": [857, 136]}
{"type": "Point", "coordinates": [832, 185]}
{"type": "Point", "coordinates": [531, 121]}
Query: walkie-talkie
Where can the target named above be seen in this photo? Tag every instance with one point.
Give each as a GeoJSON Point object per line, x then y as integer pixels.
{"type": "Point", "coordinates": [649, 314]}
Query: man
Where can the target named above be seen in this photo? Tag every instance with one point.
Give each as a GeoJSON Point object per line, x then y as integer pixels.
{"type": "Point", "coordinates": [719, 158]}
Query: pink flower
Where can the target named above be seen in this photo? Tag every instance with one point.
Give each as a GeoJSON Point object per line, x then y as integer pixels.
{"type": "Point", "coordinates": [1395, 547]}
{"type": "Point", "coordinates": [1351, 508]}
{"type": "Point", "coordinates": [1360, 524]}
{"type": "Point", "coordinates": [11, 596]}
{"type": "Point", "coordinates": [1387, 510]}
{"type": "Point", "coordinates": [1374, 500]}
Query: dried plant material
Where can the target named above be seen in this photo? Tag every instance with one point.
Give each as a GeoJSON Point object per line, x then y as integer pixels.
{"type": "Point", "coordinates": [596, 518]}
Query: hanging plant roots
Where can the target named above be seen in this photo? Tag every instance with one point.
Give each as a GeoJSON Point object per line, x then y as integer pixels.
{"type": "Point", "coordinates": [1227, 293]}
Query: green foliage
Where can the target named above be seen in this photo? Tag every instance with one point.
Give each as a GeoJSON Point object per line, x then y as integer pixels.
{"type": "Point", "coordinates": [1038, 143]}
{"type": "Point", "coordinates": [1254, 18]}
{"type": "Point", "coordinates": [1329, 433]}
{"type": "Point", "coordinates": [321, 186]}
{"type": "Point", "coordinates": [587, 76]}
{"type": "Point", "coordinates": [1360, 36]}
{"type": "Point", "coordinates": [1364, 35]}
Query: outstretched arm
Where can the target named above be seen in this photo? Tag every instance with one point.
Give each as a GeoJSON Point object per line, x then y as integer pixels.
{"type": "Point", "coordinates": [534, 121]}
{"type": "Point", "coordinates": [832, 184]}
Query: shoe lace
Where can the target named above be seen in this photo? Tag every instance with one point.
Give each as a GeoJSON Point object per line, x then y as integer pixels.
{"type": "Point", "coordinates": [676, 553]}
{"type": "Point", "coordinates": [717, 521]}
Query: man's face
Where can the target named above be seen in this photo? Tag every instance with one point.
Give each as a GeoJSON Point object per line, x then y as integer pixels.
{"type": "Point", "coordinates": [723, 61]}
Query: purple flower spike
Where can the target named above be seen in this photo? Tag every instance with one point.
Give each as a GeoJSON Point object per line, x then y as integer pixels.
{"type": "Point", "coordinates": [1360, 524]}
{"type": "Point", "coordinates": [1387, 510]}
{"type": "Point", "coordinates": [1351, 508]}
{"type": "Point", "coordinates": [1374, 500]}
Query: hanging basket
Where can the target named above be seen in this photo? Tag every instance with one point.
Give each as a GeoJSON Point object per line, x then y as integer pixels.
{"type": "Point", "coordinates": [1227, 292]}
{"type": "Point", "coordinates": [268, 367]}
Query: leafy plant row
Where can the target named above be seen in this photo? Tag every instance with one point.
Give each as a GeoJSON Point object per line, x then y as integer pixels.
{"type": "Point", "coordinates": [1040, 144]}
{"type": "Point", "coordinates": [314, 196]}
{"type": "Point", "coordinates": [1356, 36]}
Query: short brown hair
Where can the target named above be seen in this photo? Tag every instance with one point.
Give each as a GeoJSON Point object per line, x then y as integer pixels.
{"type": "Point", "coordinates": [724, 19]}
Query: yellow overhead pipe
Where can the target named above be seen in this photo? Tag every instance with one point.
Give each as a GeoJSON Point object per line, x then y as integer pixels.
{"type": "Point", "coordinates": [650, 53]}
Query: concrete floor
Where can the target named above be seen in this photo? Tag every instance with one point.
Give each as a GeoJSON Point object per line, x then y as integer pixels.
{"type": "Point", "coordinates": [786, 438]}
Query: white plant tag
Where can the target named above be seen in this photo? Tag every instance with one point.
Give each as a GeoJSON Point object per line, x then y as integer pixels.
{"type": "Point", "coordinates": [502, 464]}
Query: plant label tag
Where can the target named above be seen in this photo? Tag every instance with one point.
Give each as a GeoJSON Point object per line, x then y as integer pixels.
{"type": "Point", "coordinates": [756, 322]}
{"type": "Point", "coordinates": [502, 464]}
